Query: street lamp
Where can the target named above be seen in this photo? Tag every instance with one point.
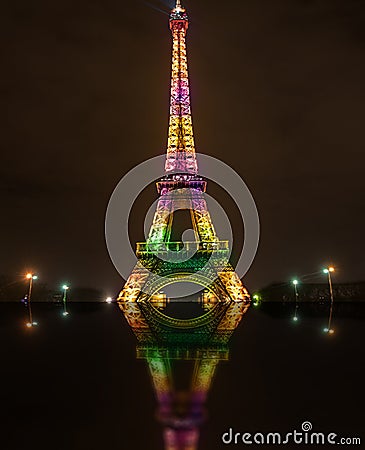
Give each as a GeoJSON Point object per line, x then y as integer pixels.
{"type": "Point", "coordinates": [30, 277]}
{"type": "Point", "coordinates": [64, 299]}
{"type": "Point", "coordinates": [328, 272]}
{"type": "Point", "coordinates": [109, 300]}
{"type": "Point", "coordinates": [295, 284]}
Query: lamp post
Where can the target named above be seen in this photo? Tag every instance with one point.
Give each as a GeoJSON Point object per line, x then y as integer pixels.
{"type": "Point", "coordinates": [295, 284]}
{"type": "Point", "coordinates": [328, 271]}
{"type": "Point", "coordinates": [30, 277]}
{"type": "Point", "coordinates": [64, 299]}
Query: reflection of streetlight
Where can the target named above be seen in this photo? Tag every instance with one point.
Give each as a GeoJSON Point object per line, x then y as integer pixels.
{"type": "Point", "coordinates": [64, 299]}
{"type": "Point", "coordinates": [328, 271]}
{"type": "Point", "coordinates": [295, 283]}
{"type": "Point", "coordinates": [30, 277]}
{"type": "Point", "coordinates": [109, 300]}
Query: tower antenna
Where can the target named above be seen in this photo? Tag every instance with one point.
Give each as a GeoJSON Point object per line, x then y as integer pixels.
{"type": "Point", "coordinates": [178, 3]}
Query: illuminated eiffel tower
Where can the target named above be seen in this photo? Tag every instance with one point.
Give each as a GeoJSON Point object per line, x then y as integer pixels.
{"type": "Point", "coordinates": [181, 411]}
{"type": "Point", "coordinates": [204, 261]}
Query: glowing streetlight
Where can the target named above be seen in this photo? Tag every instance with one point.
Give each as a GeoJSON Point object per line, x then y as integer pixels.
{"type": "Point", "coordinates": [31, 277]}
{"type": "Point", "coordinates": [64, 299]}
{"type": "Point", "coordinates": [109, 300]}
{"type": "Point", "coordinates": [328, 272]}
{"type": "Point", "coordinates": [295, 284]}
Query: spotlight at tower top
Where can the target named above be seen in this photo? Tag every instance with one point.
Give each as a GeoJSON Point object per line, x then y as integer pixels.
{"type": "Point", "coordinates": [178, 6]}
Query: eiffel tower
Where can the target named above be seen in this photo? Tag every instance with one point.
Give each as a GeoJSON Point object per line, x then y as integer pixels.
{"type": "Point", "coordinates": [181, 411]}
{"type": "Point", "coordinates": [203, 261]}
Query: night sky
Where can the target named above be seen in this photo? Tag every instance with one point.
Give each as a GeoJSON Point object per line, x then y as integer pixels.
{"type": "Point", "coordinates": [277, 93]}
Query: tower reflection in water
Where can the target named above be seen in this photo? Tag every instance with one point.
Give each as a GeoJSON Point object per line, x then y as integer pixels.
{"type": "Point", "coordinates": [182, 353]}
{"type": "Point", "coordinates": [182, 362]}
{"type": "Point", "coordinates": [181, 410]}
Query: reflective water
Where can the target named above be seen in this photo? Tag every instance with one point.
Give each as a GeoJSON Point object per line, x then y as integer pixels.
{"type": "Point", "coordinates": [74, 383]}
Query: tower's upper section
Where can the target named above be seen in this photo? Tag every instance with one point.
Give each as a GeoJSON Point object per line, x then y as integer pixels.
{"type": "Point", "coordinates": [181, 148]}
{"type": "Point", "coordinates": [178, 17]}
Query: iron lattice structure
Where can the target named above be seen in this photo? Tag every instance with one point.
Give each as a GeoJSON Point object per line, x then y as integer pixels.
{"type": "Point", "coordinates": [181, 412]}
{"type": "Point", "coordinates": [204, 261]}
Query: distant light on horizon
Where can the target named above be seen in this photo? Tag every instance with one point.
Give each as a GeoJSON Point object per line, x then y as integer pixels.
{"type": "Point", "coordinates": [30, 276]}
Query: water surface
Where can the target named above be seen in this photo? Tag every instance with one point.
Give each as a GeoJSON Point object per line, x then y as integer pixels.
{"type": "Point", "coordinates": [74, 383]}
